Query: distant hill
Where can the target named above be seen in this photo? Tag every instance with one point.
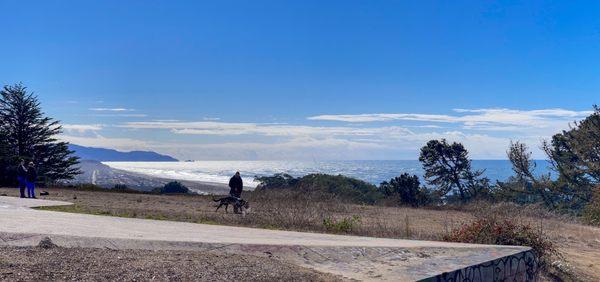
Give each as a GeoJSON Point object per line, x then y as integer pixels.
{"type": "Point", "coordinates": [109, 155]}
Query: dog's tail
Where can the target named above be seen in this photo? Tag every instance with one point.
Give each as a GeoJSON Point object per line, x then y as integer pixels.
{"type": "Point", "coordinates": [217, 200]}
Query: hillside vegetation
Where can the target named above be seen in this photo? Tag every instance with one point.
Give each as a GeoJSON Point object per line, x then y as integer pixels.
{"type": "Point", "coordinates": [335, 187]}
{"type": "Point", "coordinates": [574, 156]}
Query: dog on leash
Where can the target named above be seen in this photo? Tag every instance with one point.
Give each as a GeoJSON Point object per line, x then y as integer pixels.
{"type": "Point", "coordinates": [239, 206]}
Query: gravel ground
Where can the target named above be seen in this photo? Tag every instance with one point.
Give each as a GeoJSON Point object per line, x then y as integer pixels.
{"type": "Point", "coordinates": [51, 263]}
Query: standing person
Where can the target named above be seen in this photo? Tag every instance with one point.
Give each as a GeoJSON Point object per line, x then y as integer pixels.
{"type": "Point", "coordinates": [237, 185]}
{"type": "Point", "coordinates": [22, 177]}
{"type": "Point", "coordinates": [31, 178]}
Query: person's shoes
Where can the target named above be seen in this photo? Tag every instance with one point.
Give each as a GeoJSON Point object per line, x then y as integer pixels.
{"type": "Point", "coordinates": [22, 196]}
{"type": "Point", "coordinates": [33, 197]}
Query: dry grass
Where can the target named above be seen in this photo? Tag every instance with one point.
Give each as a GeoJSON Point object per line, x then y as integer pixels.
{"type": "Point", "coordinates": [579, 243]}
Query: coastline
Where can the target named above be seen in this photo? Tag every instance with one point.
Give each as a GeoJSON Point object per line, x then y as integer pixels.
{"type": "Point", "coordinates": [97, 173]}
{"type": "Point", "coordinates": [371, 171]}
{"type": "Point", "coordinates": [199, 187]}
{"type": "Point", "coordinates": [206, 188]}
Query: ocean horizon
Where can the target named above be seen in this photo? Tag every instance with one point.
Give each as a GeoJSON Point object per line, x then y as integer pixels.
{"type": "Point", "coordinates": [372, 171]}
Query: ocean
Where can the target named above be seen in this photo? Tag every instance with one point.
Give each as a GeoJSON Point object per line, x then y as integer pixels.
{"type": "Point", "coordinates": [371, 171]}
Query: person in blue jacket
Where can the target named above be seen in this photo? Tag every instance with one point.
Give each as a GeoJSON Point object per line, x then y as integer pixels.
{"type": "Point", "coordinates": [22, 177]}
{"type": "Point", "coordinates": [31, 178]}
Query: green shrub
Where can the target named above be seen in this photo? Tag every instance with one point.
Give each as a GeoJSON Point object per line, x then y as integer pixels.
{"type": "Point", "coordinates": [118, 188]}
{"type": "Point", "coordinates": [121, 188]}
{"type": "Point", "coordinates": [340, 187]}
{"type": "Point", "coordinates": [406, 190]}
{"type": "Point", "coordinates": [504, 232]}
{"type": "Point", "coordinates": [84, 187]}
{"type": "Point", "coordinates": [345, 225]}
{"type": "Point", "coordinates": [173, 187]}
{"type": "Point", "coordinates": [277, 181]}
{"type": "Point", "coordinates": [591, 212]}
{"type": "Point", "coordinates": [344, 188]}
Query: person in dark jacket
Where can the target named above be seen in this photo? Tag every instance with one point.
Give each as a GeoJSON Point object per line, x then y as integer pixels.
{"type": "Point", "coordinates": [22, 177]}
{"type": "Point", "coordinates": [237, 185]}
{"type": "Point", "coordinates": [31, 178]}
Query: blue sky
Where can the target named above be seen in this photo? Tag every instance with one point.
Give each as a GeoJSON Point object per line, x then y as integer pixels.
{"type": "Point", "coordinates": [305, 79]}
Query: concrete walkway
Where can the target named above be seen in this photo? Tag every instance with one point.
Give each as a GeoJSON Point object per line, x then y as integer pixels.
{"type": "Point", "coordinates": [351, 256]}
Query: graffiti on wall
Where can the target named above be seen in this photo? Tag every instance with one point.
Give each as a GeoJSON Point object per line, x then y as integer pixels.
{"type": "Point", "coordinates": [519, 267]}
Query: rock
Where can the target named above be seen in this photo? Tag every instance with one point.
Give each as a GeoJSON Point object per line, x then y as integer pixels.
{"type": "Point", "coordinates": [46, 243]}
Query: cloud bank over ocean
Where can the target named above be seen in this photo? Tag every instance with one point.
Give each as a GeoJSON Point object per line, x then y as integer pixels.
{"type": "Point", "coordinates": [485, 132]}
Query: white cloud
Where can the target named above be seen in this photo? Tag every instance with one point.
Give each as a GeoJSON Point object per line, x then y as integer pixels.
{"type": "Point", "coordinates": [480, 146]}
{"type": "Point", "coordinates": [480, 119]}
{"type": "Point", "coordinates": [81, 128]}
{"type": "Point", "coordinates": [428, 126]}
{"type": "Point", "coordinates": [120, 115]}
{"type": "Point", "coordinates": [124, 144]}
{"type": "Point", "coordinates": [111, 109]}
{"type": "Point", "coordinates": [301, 148]}
{"type": "Point", "coordinates": [379, 142]}
{"type": "Point", "coordinates": [385, 117]}
{"type": "Point", "coordinates": [485, 132]}
{"type": "Point", "coordinates": [224, 128]}
{"type": "Point", "coordinates": [387, 145]}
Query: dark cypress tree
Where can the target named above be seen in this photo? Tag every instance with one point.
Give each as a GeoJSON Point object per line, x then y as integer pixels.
{"type": "Point", "coordinates": [448, 167]}
{"type": "Point", "coordinates": [575, 153]}
{"type": "Point", "coordinates": [525, 184]}
{"type": "Point", "coordinates": [29, 134]}
{"type": "Point", "coordinates": [5, 161]}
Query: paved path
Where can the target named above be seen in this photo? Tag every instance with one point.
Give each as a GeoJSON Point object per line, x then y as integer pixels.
{"type": "Point", "coordinates": [351, 256]}
{"type": "Point", "coordinates": [16, 216]}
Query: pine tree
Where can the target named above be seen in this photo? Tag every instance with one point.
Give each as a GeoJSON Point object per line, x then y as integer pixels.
{"type": "Point", "coordinates": [30, 135]}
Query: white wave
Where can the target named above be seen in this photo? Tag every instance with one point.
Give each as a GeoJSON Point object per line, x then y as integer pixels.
{"type": "Point", "coordinates": [190, 171]}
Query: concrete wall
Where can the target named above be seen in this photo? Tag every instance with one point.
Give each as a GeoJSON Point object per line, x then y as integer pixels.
{"type": "Point", "coordinates": [522, 266]}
